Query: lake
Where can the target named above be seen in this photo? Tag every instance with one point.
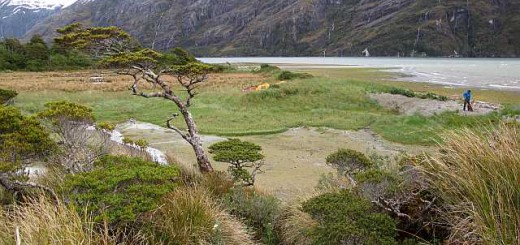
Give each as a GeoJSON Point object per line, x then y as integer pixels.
{"type": "Point", "coordinates": [500, 74]}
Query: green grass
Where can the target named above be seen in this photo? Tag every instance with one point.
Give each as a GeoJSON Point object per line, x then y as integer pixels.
{"type": "Point", "coordinates": [226, 111]}
{"type": "Point", "coordinates": [422, 130]}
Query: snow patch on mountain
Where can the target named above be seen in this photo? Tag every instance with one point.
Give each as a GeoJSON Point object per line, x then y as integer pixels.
{"type": "Point", "coordinates": [37, 4]}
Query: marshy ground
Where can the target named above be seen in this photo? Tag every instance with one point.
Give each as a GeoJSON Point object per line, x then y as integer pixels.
{"type": "Point", "coordinates": [297, 124]}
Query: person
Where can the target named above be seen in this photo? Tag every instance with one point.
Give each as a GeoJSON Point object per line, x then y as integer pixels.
{"type": "Point", "coordinates": [467, 101]}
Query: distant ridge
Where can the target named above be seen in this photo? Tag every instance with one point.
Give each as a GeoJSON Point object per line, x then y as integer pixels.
{"type": "Point", "coordinates": [477, 28]}
{"type": "Point", "coordinates": [18, 16]}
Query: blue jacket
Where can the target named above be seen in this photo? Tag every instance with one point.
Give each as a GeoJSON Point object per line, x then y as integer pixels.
{"type": "Point", "coordinates": [467, 96]}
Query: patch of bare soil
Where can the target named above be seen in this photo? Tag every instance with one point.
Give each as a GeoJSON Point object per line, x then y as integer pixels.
{"type": "Point", "coordinates": [427, 107]}
{"type": "Point", "coordinates": [294, 160]}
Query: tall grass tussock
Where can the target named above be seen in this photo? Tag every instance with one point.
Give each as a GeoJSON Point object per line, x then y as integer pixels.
{"type": "Point", "coordinates": [190, 216]}
{"type": "Point", "coordinates": [41, 222]}
{"type": "Point", "coordinates": [478, 174]}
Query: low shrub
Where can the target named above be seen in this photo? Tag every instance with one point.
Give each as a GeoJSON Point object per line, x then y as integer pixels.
{"type": "Point", "coordinates": [7, 95]}
{"type": "Point", "coordinates": [288, 75]}
{"type": "Point", "coordinates": [348, 162]}
{"type": "Point", "coordinates": [412, 94]}
{"type": "Point", "coordinates": [266, 68]}
{"type": "Point", "coordinates": [258, 211]}
{"type": "Point", "coordinates": [402, 91]}
{"type": "Point", "coordinates": [345, 218]}
{"type": "Point", "coordinates": [120, 188]}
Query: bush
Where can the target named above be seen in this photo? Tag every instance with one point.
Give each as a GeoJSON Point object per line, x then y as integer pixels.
{"type": "Point", "coordinates": [120, 188]}
{"type": "Point", "coordinates": [412, 94]}
{"type": "Point", "coordinates": [6, 96]}
{"type": "Point", "coordinates": [402, 91]}
{"type": "Point", "coordinates": [477, 174]}
{"type": "Point", "coordinates": [258, 211]}
{"type": "Point", "coordinates": [348, 162]}
{"type": "Point", "coordinates": [287, 75]}
{"type": "Point", "coordinates": [345, 218]}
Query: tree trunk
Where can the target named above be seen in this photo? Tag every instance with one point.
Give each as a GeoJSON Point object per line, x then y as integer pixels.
{"type": "Point", "coordinates": [195, 142]}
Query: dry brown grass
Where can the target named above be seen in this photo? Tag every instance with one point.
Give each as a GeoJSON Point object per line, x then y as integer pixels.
{"type": "Point", "coordinates": [188, 215]}
{"type": "Point", "coordinates": [76, 81]}
{"type": "Point", "coordinates": [294, 225]}
{"type": "Point", "coordinates": [41, 222]}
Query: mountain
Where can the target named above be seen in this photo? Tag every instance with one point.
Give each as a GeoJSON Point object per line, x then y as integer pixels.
{"type": "Point", "coordinates": [18, 16]}
{"type": "Point", "coordinates": [477, 28]}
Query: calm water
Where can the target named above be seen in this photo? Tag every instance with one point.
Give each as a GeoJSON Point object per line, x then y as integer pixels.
{"type": "Point", "coordinates": [501, 74]}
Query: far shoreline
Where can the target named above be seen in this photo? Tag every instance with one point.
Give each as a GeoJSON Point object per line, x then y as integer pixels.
{"type": "Point", "coordinates": [500, 74]}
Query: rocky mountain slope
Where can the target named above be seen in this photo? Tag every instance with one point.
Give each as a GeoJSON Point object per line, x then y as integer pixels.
{"type": "Point", "coordinates": [309, 27]}
{"type": "Point", "coordinates": [18, 16]}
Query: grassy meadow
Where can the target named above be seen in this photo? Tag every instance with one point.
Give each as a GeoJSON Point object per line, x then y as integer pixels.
{"type": "Point", "coordinates": [337, 99]}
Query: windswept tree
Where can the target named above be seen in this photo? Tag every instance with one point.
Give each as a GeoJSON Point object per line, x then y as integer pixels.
{"type": "Point", "coordinates": [113, 47]}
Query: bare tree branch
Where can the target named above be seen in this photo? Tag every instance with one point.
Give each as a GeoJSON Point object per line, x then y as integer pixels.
{"type": "Point", "coordinates": [170, 126]}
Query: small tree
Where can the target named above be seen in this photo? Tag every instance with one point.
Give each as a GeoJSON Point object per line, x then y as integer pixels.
{"type": "Point", "coordinates": [22, 140]}
{"type": "Point", "coordinates": [241, 156]}
{"type": "Point", "coordinates": [115, 48]}
{"type": "Point", "coordinates": [348, 163]}
{"type": "Point", "coordinates": [81, 143]}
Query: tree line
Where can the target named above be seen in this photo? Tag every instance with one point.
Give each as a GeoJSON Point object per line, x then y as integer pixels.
{"type": "Point", "coordinates": [36, 55]}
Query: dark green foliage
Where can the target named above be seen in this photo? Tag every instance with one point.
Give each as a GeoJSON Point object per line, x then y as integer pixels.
{"type": "Point", "coordinates": [241, 156]}
{"type": "Point", "coordinates": [412, 94]}
{"type": "Point", "coordinates": [236, 151]}
{"type": "Point", "coordinates": [402, 91]}
{"type": "Point", "coordinates": [287, 75]}
{"type": "Point", "coordinates": [177, 56]}
{"type": "Point", "coordinates": [258, 211]}
{"type": "Point", "coordinates": [21, 137]}
{"type": "Point", "coordinates": [347, 161]}
{"type": "Point", "coordinates": [345, 218]}
{"type": "Point", "coordinates": [376, 183]}
{"type": "Point", "coordinates": [7, 95]}
{"type": "Point", "coordinates": [266, 68]}
{"type": "Point", "coordinates": [37, 56]}
{"type": "Point", "coordinates": [120, 188]}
